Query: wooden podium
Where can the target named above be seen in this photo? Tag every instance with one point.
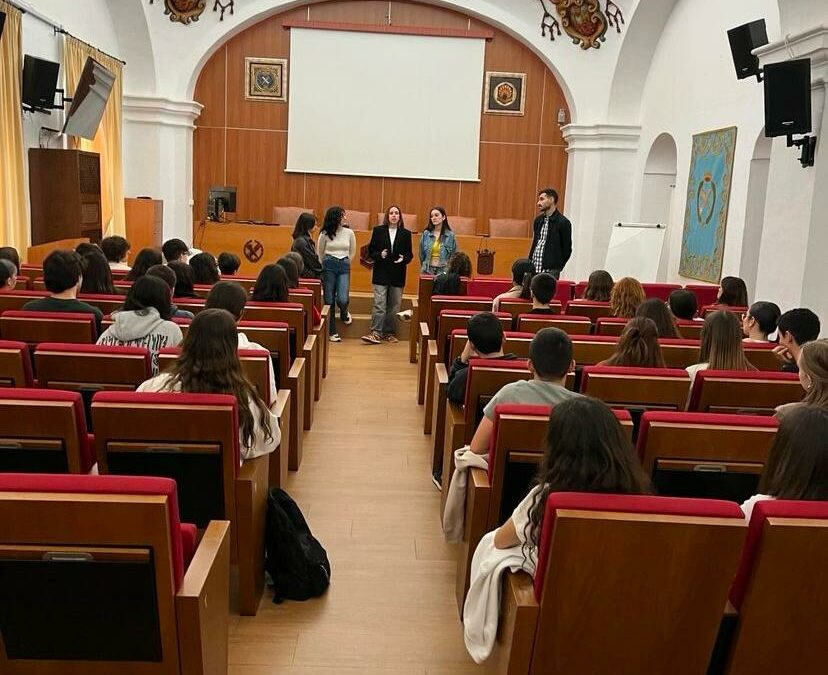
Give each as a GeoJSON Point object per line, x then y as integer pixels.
{"type": "Point", "coordinates": [65, 195]}
{"type": "Point", "coordinates": [144, 224]}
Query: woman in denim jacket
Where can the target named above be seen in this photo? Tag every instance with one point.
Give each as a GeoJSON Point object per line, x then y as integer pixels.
{"type": "Point", "coordinates": [437, 243]}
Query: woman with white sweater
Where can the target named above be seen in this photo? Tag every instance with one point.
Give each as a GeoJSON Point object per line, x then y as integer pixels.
{"type": "Point", "coordinates": [336, 249]}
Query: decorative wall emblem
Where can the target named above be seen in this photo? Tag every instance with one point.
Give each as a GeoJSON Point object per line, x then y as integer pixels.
{"type": "Point", "coordinates": [583, 20]}
{"type": "Point", "coordinates": [253, 250]}
{"type": "Point", "coordinates": [505, 93]}
{"type": "Point", "coordinates": [186, 11]}
{"type": "Point", "coordinates": [265, 79]}
{"type": "Point", "coordinates": [708, 195]}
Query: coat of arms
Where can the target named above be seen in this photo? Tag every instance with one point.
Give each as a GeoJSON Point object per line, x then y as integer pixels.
{"type": "Point", "coordinates": [583, 20]}
{"type": "Point", "coordinates": [185, 11]}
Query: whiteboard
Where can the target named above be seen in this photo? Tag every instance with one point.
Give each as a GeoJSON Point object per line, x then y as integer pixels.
{"type": "Point", "coordinates": [635, 250]}
{"type": "Point", "coordinates": [376, 104]}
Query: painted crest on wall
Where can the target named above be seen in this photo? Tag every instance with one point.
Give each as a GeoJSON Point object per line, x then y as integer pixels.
{"type": "Point", "coordinates": [265, 79]}
{"type": "Point", "coordinates": [186, 11]}
{"type": "Point", "coordinates": [583, 20]}
{"type": "Point", "coordinates": [505, 93]}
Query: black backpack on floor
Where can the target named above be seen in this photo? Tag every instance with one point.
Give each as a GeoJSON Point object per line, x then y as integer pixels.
{"type": "Point", "coordinates": [295, 560]}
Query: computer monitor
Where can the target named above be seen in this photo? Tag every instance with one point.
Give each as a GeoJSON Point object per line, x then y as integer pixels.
{"type": "Point", "coordinates": [222, 198]}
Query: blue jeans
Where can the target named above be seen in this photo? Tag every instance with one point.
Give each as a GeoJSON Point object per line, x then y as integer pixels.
{"type": "Point", "coordinates": [336, 282]}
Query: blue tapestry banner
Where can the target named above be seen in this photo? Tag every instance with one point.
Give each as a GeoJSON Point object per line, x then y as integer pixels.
{"type": "Point", "coordinates": [708, 194]}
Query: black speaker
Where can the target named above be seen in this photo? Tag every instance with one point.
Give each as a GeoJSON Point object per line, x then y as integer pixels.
{"type": "Point", "coordinates": [2, 22]}
{"type": "Point", "coordinates": [788, 98]}
{"type": "Point", "coordinates": [743, 40]}
{"type": "Point", "coordinates": [39, 83]}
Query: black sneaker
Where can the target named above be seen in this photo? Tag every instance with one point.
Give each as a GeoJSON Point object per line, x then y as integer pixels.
{"type": "Point", "coordinates": [437, 479]}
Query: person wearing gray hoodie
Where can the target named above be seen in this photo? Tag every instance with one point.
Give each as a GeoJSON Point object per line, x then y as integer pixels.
{"type": "Point", "coordinates": [144, 320]}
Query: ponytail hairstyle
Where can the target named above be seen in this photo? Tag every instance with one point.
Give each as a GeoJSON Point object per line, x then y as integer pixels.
{"type": "Point", "coordinates": [523, 270]}
{"type": "Point", "coordinates": [638, 346]}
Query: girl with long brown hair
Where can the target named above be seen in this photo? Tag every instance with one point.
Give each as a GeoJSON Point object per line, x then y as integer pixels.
{"type": "Point", "coordinates": [797, 466]}
{"type": "Point", "coordinates": [209, 364]}
{"type": "Point", "coordinates": [627, 294]}
{"type": "Point", "coordinates": [813, 375]}
{"type": "Point", "coordinates": [721, 345]}
{"type": "Point", "coordinates": [660, 313]}
{"type": "Point", "coordinates": [585, 451]}
{"type": "Point", "coordinates": [599, 286]}
{"type": "Point", "coordinates": [638, 346]}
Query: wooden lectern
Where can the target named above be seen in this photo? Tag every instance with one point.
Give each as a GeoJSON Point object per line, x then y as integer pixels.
{"type": "Point", "coordinates": [144, 224]}
{"type": "Point", "coordinates": [65, 195]}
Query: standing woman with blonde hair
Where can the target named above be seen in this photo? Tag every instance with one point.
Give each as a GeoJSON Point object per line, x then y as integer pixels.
{"type": "Point", "coordinates": [336, 248]}
{"type": "Point", "coordinates": [437, 243]}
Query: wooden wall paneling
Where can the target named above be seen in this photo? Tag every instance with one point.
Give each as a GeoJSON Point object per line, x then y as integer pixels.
{"type": "Point", "coordinates": [208, 165]}
{"type": "Point", "coordinates": [507, 187]}
{"type": "Point", "coordinates": [505, 54]}
{"type": "Point", "coordinates": [255, 165]}
{"type": "Point", "coordinates": [554, 101]}
{"type": "Point", "coordinates": [357, 193]}
{"type": "Point", "coordinates": [419, 196]}
{"type": "Point", "coordinates": [350, 11]}
{"type": "Point", "coordinates": [553, 160]}
{"type": "Point", "coordinates": [209, 91]}
{"type": "Point", "coordinates": [265, 39]}
{"type": "Point", "coordinates": [413, 14]}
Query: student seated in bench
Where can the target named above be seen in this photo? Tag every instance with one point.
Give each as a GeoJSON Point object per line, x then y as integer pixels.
{"type": "Point", "coordinates": [228, 263]}
{"type": "Point", "coordinates": [627, 294]}
{"type": "Point", "coordinates": [8, 275]}
{"type": "Point", "coordinates": [303, 245]}
{"type": "Point", "coordinates": [271, 285]}
{"type": "Point", "coordinates": [97, 275]}
{"type": "Point", "coordinates": [797, 466]}
{"type": "Point", "coordinates": [599, 286]}
{"type": "Point", "coordinates": [146, 258]}
{"type": "Point", "coordinates": [448, 281]}
{"type": "Point", "coordinates": [542, 291]}
{"type": "Point", "coordinates": [184, 279]}
{"type": "Point", "coordinates": [797, 327]}
{"type": "Point", "coordinates": [485, 341]}
{"type": "Point", "coordinates": [291, 262]}
{"type": "Point", "coordinates": [63, 275]}
{"type": "Point", "coordinates": [683, 304]}
{"type": "Point", "coordinates": [168, 277]}
{"type": "Point", "coordinates": [550, 359]}
{"type": "Point", "coordinates": [721, 345]}
{"type": "Point", "coordinates": [638, 346]}
{"type": "Point", "coordinates": [659, 312]}
{"type": "Point", "coordinates": [209, 364]}
{"type": "Point", "coordinates": [230, 296]}
{"type": "Point", "coordinates": [10, 253]}
{"type": "Point", "coordinates": [144, 320]}
{"type": "Point", "coordinates": [300, 263]}
{"type": "Point", "coordinates": [760, 321]}
{"type": "Point", "coordinates": [116, 249]}
{"type": "Point", "coordinates": [523, 270]}
{"type": "Point", "coordinates": [204, 268]}
{"type": "Point", "coordinates": [585, 451]}
{"type": "Point", "coordinates": [813, 375]}
{"type": "Point", "coordinates": [175, 249]}
{"type": "Point", "coordinates": [732, 293]}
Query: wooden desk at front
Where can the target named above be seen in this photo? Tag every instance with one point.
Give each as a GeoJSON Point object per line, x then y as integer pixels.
{"type": "Point", "coordinates": [275, 241]}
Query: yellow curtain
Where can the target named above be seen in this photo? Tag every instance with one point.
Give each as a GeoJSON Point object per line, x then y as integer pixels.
{"type": "Point", "coordinates": [107, 142]}
{"type": "Point", "coordinates": [14, 212]}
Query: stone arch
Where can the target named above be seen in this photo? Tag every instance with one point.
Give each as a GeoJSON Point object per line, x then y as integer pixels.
{"type": "Point", "coordinates": [659, 180]}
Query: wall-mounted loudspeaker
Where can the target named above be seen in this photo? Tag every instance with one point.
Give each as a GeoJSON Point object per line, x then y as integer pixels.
{"type": "Point", "coordinates": [39, 83]}
{"type": "Point", "coordinates": [743, 40]}
{"type": "Point", "coordinates": [788, 98]}
{"type": "Point", "coordinates": [2, 22]}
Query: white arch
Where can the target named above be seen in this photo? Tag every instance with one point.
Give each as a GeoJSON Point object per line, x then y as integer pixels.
{"type": "Point", "coordinates": [135, 44]}
{"type": "Point", "coordinates": [757, 192]}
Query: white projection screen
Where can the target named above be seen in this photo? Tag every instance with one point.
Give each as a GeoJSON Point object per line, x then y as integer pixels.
{"type": "Point", "coordinates": [381, 104]}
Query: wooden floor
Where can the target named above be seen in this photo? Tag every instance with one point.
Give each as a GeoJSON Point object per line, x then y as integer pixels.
{"type": "Point", "coordinates": [365, 488]}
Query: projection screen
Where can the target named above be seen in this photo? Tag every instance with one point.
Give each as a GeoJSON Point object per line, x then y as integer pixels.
{"type": "Point", "coordinates": [378, 104]}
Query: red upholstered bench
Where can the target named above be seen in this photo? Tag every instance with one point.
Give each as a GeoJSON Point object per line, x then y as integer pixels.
{"type": "Point", "coordinates": [660, 291]}
{"type": "Point", "coordinates": [572, 325]}
{"type": "Point", "coordinates": [15, 364]}
{"type": "Point", "coordinates": [752, 392]}
{"type": "Point", "coordinates": [637, 387]}
{"type": "Point", "coordinates": [35, 327]}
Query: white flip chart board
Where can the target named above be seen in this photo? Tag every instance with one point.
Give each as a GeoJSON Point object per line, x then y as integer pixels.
{"type": "Point", "coordinates": [635, 250]}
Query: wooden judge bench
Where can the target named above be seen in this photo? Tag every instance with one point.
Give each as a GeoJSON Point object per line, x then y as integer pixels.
{"type": "Point", "coordinates": [259, 245]}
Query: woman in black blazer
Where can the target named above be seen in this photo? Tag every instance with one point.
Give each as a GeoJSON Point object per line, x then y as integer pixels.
{"type": "Point", "coordinates": [390, 249]}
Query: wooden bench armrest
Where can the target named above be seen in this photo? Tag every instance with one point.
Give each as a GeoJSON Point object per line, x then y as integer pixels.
{"type": "Point", "coordinates": [326, 311]}
{"type": "Point", "coordinates": [423, 336]}
{"type": "Point", "coordinates": [516, 629]}
{"type": "Point", "coordinates": [478, 494]}
{"type": "Point", "coordinates": [202, 604]}
{"type": "Point", "coordinates": [412, 334]}
{"type": "Point", "coordinates": [278, 465]}
{"type": "Point", "coordinates": [296, 382]}
{"type": "Point", "coordinates": [251, 507]}
{"type": "Point", "coordinates": [454, 430]}
{"type": "Point", "coordinates": [310, 352]}
{"type": "Point", "coordinates": [440, 370]}
{"type": "Point", "coordinates": [438, 400]}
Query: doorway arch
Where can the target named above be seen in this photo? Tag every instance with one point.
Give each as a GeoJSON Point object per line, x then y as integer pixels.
{"type": "Point", "coordinates": [757, 193]}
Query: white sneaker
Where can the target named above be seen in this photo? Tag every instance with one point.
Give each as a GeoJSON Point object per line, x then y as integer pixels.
{"type": "Point", "coordinates": [348, 320]}
{"type": "Point", "coordinates": [335, 338]}
{"type": "Point", "coordinates": [405, 315]}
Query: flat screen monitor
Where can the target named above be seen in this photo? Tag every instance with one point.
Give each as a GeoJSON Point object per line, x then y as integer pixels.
{"type": "Point", "coordinates": [39, 83]}
{"type": "Point", "coordinates": [89, 100]}
{"type": "Point", "coordinates": [221, 198]}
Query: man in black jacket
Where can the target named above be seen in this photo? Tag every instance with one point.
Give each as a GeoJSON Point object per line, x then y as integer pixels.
{"type": "Point", "coordinates": [552, 240]}
{"type": "Point", "coordinates": [390, 249]}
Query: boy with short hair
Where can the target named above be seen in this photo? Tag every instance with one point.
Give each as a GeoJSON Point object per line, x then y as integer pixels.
{"type": "Point", "coordinates": [115, 249]}
{"type": "Point", "coordinates": [228, 263]}
{"type": "Point", "coordinates": [796, 328]}
{"type": "Point", "coordinates": [175, 249]}
{"type": "Point", "coordinates": [543, 291]}
{"type": "Point", "coordinates": [485, 341]}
